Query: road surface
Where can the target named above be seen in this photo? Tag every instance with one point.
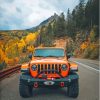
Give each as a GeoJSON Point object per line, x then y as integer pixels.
{"type": "Point", "coordinates": [88, 84]}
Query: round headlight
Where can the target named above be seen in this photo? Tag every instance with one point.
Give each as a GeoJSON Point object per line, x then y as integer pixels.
{"type": "Point", "coordinates": [64, 67]}
{"type": "Point", "coordinates": [34, 67]}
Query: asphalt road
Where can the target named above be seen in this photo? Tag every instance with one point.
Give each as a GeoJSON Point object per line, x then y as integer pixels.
{"type": "Point", "coordinates": [88, 84]}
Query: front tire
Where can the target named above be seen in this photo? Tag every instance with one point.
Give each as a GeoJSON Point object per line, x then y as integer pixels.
{"type": "Point", "coordinates": [25, 90]}
{"type": "Point", "coordinates": [73, 89]}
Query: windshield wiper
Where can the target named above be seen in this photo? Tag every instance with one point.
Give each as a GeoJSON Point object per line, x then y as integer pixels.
{"type": "Point", "coordinates": [51, 56]}
{"type": "Point", "coordinates": [39, 56]}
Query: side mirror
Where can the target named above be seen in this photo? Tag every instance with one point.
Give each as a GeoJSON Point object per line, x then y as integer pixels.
{"type": "Point", "coordinates": [68, 55]}
{"type": "Point", "coordinates": [30, 56]}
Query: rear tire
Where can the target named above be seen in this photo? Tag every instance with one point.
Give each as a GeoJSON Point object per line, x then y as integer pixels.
{"type": "Point", "coordinates": [25, 90]}
{"type": "Point", "coordinates": [73, 89]}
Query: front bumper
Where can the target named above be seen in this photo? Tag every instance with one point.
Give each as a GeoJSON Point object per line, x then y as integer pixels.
{"type": "Point", "coordinates": [28, 80]}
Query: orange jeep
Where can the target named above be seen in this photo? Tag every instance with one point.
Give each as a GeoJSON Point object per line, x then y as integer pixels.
{"type": "Point", "coordinates": [48, 67]}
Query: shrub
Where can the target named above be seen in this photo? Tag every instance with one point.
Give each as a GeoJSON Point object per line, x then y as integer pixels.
{"type": "Point", "coordinates": [23, 59]}
{"type": "Point", "coordinates": [92, 53]}
{"type": "Point", "coordinates": [87, 52]}
{"type": "Point", "coordinates": [95, 54]}
{"type": "Point", "coordinates": [3, 65]}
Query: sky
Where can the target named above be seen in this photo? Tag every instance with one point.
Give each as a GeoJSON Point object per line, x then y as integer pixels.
{"type": "Point", "coordinates": [24, 14]}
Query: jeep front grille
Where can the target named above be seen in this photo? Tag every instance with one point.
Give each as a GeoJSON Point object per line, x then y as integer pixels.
{"type": "Point", "coordinates": [49, 68]}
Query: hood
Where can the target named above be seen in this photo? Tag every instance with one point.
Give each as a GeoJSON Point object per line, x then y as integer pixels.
{"type": "Point", "coordinates": [48, 60]}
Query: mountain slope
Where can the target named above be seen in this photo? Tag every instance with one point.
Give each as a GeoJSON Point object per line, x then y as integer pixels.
{"type": "Point", "coordinates": [44, 23]}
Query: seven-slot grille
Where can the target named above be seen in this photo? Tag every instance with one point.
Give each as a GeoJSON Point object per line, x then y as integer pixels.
{"type": "Point", "coordinates": [49, 68]}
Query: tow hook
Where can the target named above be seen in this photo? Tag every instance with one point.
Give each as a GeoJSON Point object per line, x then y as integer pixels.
{"type": "Point", "coordinates": [62, 84]}
{"type": "Point", "coordinates": [36, 85]}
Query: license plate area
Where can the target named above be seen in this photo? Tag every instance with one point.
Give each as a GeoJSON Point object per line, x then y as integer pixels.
{"type": "Point", "coordinates": [49, 83]}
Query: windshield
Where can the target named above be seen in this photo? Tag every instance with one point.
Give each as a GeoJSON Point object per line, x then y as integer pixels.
{"type": "Point", "coordinates": [49, 53]}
